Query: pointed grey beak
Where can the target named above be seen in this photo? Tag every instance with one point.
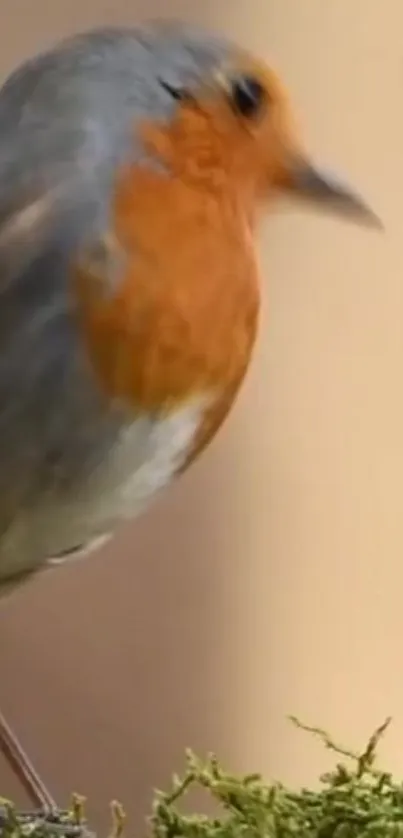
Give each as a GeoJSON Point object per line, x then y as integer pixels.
{"type": "Point", "coordinates": [329, 193]}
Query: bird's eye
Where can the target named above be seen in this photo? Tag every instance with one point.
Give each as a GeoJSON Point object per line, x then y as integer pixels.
{"type": "Point", "coordinates": [248, 96]}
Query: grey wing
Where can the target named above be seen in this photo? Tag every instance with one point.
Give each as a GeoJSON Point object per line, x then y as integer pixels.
{"type": "Point", "coordinates": [55, 176]}
{"type": "Point", "coordinates": [55, 426]}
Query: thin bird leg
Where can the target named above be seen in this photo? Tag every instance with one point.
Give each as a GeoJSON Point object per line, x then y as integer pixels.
{"type": "Point", "coordinates": [23, 769]}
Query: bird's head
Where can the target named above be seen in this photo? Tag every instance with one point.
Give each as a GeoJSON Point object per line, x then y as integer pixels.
{"type": "Point", "coordinates": [230, 118]}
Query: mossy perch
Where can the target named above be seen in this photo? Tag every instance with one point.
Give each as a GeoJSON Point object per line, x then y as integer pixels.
{"type": "Point", "coordinates": [355, 800]}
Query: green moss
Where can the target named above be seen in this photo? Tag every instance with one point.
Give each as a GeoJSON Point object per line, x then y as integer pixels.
{"type": "Point", "coordinates": [355, 800]}
{"type": "Point", "coordinates": [69, 823]}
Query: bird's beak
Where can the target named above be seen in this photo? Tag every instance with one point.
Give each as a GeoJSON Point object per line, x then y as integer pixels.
{"type": "Point", "coordinates": [328, 192]}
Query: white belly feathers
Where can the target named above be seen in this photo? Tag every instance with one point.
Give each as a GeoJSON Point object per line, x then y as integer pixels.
{"type": "Point", "coordinates": [143, 461]}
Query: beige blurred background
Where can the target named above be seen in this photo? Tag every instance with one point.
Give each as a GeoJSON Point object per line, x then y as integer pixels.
{"type": "Point", "coordinates": [269, 581]}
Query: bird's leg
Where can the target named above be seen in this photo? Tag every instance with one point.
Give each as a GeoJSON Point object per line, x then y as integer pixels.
{"type": "Point", "coordinates": [23, 769]}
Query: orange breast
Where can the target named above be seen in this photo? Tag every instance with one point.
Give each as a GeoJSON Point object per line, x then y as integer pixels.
{"type": "Point", "coordinates": [183, 318]}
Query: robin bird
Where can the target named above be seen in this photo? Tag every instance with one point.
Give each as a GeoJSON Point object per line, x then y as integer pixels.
{"type": "Point", "coordinates": [134, 167]}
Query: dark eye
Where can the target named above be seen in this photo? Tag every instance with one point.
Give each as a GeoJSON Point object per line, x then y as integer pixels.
{"type": "Point", "coordinates": [248, 96]}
